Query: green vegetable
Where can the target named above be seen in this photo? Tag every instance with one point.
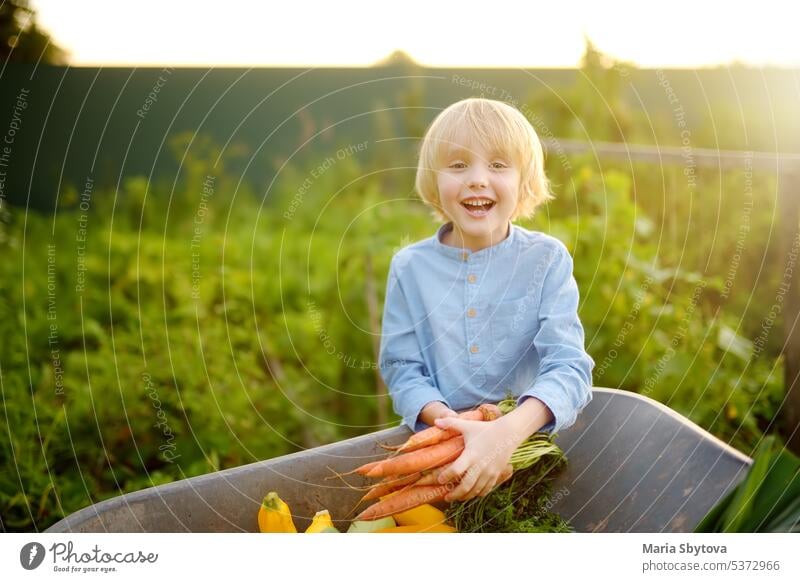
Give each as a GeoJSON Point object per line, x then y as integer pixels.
{"type": "Point", "coordinates": [768, 500]}
{"type": "Point", "coordinates": [371, 526]}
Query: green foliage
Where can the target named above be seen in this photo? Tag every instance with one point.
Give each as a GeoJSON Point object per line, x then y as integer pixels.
{"type": "Point", "coordinates": [735, 210]}
{"type": "Point", "coordinates": [187, 330]}
{"type": "Point", "coordinates": [656, 329]}
{"type": "Point", "coordinates": [768, 500]}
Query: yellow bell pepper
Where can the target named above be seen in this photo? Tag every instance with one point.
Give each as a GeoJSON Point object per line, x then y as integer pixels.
{"type": "Point", "coordinates": [422, 515]}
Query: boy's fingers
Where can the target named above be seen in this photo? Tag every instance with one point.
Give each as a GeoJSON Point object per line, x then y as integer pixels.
{"type": "Point", "coordinates": [466, 485]}
{"type": "Point", "coordinates": [450, 422]}
{"type": "Point", "coordinates": [453, 472]}
{"type": "Point", "coordinates": [506, 474]}
{"type": "Point", "coordinates": [487, 488]}
{"type": "Point", "coordinates": [482, 487]}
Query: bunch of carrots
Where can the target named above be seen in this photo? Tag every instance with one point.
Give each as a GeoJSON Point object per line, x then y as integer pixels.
{"type": "Point", "coordinates": [409, 476]}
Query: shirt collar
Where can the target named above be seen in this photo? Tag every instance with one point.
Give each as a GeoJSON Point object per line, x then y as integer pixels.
{"type": "Point", "coordinates": [462, 254]}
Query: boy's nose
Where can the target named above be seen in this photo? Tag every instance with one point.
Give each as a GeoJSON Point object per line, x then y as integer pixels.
{"type": "Point", "coordinates": [477, 179]}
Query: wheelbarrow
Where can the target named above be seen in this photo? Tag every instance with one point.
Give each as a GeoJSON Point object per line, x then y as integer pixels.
{"type": "Point", "coordinates": [634, 465]}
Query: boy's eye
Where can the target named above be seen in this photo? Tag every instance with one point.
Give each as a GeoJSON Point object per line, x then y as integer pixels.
{"type": "Point", "coordinates": [495, 165]}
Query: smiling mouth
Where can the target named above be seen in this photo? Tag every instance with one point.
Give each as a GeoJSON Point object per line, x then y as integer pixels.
{"type": "Point", "coordinates": [478, 207]}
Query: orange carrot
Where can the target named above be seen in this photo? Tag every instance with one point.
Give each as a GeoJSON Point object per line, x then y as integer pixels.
{"type": "Point", "coordinates": [431, 477]}
{"type": "Point", "coordinates": [362, 470]}
{"type": "Point", "coordinates": [420, 460]}
{"type": "Point", "coordinates": [404, 500]}
{"type": "Point", "coordinates": [390, 484]}
{"type": "Point", "coordinates": [490, 411]}
{"type": "Point", "coordinates": [433, 435]}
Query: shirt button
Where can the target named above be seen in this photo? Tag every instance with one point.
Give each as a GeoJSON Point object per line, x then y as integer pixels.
{"type": "Point", "coordinates": [472, 278]}
{"type": "Point", "coordinates": [471, 313]}
{"type": "Point", "coordinates": [474, 349]}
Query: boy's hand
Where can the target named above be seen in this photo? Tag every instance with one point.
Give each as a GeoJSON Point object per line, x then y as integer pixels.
{"type": "Point", "coordinates": [433, 410]}
{"type": "Point", "coordinates": [484, 463]}
{"type": "Point", "coordinates": [488, 446]}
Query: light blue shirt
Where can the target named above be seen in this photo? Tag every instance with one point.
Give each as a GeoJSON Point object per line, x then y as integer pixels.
{"type": "Point", "coordinates": [466, 327]}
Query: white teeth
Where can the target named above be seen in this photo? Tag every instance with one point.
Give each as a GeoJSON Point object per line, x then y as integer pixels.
{"type": "Point", "coordinates": [478, 203]}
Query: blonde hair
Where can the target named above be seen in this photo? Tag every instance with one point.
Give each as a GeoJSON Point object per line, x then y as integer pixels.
{"type": "Point", "coordinates": [499, 127]}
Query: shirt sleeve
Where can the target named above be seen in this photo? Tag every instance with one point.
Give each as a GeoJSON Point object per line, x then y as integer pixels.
{"type": "Point", "coordinates": [402, 364]}
{"type": "Point", "coordinates": [564, 382]}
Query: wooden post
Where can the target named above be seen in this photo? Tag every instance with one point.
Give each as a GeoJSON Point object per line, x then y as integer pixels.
{"type": "Point", "coordinates": [789, 217]}
{"type": "Point", "coordinates": [381, 392]}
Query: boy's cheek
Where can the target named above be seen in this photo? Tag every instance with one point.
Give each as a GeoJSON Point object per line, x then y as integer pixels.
{"type": "Point", "coordinates": [448, 183]}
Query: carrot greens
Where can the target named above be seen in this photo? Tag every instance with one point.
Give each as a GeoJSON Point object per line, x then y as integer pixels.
{"type": "Point", "coordinates": [520, 505]}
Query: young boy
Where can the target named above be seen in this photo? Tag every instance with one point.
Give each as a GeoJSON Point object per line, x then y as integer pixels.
{"type": "Point", "coordinates": [484, 307]}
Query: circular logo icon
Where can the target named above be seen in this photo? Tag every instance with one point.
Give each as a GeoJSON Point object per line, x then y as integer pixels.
{"type": "Point", "coordinates": [31, 555]}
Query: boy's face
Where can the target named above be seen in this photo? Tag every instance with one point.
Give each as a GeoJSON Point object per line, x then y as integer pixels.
{"type": "Point", "coordinates": [478, 191]}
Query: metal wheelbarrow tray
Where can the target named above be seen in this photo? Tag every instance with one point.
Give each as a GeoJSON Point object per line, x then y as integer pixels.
{"type": "Point", "coordinates": [634, 465]}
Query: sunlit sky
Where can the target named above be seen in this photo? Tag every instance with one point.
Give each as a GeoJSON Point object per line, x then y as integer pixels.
{"type": "Point", "coordinates": [493, 33]}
